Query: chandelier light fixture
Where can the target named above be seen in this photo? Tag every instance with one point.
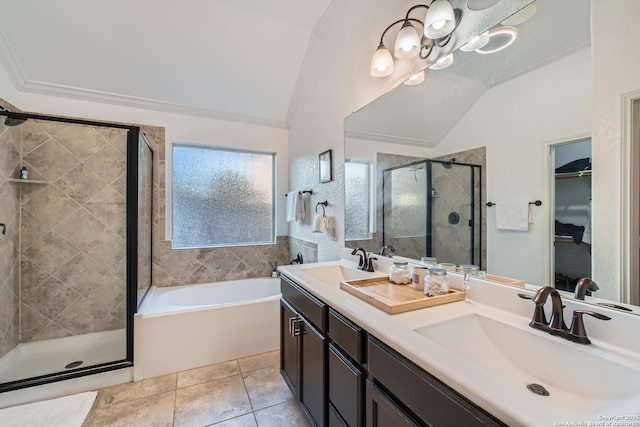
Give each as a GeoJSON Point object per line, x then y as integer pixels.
{"type": "Point", "coordinates": [439, 22]}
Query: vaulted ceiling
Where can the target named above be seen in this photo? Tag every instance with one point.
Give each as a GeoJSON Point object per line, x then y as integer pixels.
{"type": "Point", "coordinates": [237, 57]}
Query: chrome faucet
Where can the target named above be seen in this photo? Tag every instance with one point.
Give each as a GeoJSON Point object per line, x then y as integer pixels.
{"type": "Point", "coordinates": [385, 248]}
{"type": "Point", "coordinates": [556, 325]}
{"type": "Point", "coordinates": [364, 262]}
{"type": "Point", "coordinates": [585, 284]}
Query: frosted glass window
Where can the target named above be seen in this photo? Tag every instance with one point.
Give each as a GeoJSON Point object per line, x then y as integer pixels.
{"type": "Point", "coordinates": [356, 188]}
{"type": "Point", "coordinates": [222, 197]}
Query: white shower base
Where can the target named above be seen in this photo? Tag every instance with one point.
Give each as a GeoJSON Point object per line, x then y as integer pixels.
{"type": "Point", "coordinates": [50, 356]}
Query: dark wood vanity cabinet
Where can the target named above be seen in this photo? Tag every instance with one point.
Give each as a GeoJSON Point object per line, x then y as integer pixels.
{"type": "Point", "coordinates": [303, 350]}
{"type": "Point", "coordinates": [431, 401]}
{"type": "Point", "coordinates": [343, 377]}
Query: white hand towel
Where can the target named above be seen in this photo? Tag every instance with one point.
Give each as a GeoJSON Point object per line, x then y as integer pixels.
{"type": "Point", "coordinates": [513, 216]}
{"type": "Point", "coordinates": [319, 223]}
{"type": "Point", "coordinates": [292, 206]}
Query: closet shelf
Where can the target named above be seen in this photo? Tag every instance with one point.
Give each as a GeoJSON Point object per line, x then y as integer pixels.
{"type": "Point", "coordinates": [582, 174]}
{"type": "Point", "coordinates": [27, 181]}
{"type": "Point", "coordinates": [567, 239]}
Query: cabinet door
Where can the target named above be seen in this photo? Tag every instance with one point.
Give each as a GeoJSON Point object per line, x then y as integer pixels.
{"type": "Point", "coordinates": [346, 387]}
{"type": "Point", "coordinates": [289, 366]}
{"type": "Point", "coordinates": [383, 412]}
{"type": "Point", "coordinates": [313, 356]}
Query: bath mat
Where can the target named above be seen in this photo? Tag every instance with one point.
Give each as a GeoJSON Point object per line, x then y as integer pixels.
{"type": "Point", "coordinates": [67, 411]}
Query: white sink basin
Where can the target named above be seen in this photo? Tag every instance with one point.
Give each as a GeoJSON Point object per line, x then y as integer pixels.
{"type": "Point", "coordinates": [524, 356]}
{"type": "Point", "coordinates": [334, 274]}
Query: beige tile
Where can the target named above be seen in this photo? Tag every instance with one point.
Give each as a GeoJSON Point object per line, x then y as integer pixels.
{"type": "Point", "coordinates": [51, 298]}
{"type": "Point", "coordinates": [211, 402]}
{"type": "Point", "coordinates": [81, 228]}
{"type": "Point", "coordinates": [136, 390]}
{"type": "Point", "coordinates": [208, 373]}
{"type": "Point", "coordinates": [266, 387]}
{"type": "Point", "coordinates": [51, 160]}
{"type": "Point", "coordinates": [152, 411]}
{"type": "Point", "coordinates": [286, 414]}
{"type": "Point", "coordinates": [248, 420]}
{"type": "Point", "coordinates": [82, 141]}
{"type": "Point", "coordinates": [259, 361]}
{"type": "Point", "coordinates": [108, 163]}
{"type": "Point", "coordinates": [50, 205]}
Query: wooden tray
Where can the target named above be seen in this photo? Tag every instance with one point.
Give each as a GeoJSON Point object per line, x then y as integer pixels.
{"type": "Point", "coordinates": [392, 298]}
{"type": "Point", "coordinates": [505, 280]}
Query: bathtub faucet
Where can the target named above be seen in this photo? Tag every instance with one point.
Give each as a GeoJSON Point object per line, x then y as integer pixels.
{"type": "Point", "coordinates": [297, 259]}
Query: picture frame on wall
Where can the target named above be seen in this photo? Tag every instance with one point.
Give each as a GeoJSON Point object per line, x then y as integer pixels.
{"type": "Point", "coordinates": [325, 163]}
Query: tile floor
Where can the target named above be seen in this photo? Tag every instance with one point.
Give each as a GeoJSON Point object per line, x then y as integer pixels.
{"type": "Point", "coordinates": [238, 393]}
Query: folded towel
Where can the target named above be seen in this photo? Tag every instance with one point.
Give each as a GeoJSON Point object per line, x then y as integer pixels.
{"type": "Point", "coordinates": [295, 207]}
{"type": "Point", "coordinates": [513, 216]}
{"type": "Point", "coordinates": [320, 223]}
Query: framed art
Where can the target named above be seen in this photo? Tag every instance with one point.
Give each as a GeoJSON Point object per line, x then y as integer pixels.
{"type": "Point", "coordinates": [326, 166]}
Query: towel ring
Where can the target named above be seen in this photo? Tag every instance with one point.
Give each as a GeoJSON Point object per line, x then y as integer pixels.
{"type": "Point", "coordinates": [325, 203]}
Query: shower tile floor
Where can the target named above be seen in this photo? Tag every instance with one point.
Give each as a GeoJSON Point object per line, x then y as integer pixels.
{"type": "Point", "coordinates": [238, 393]}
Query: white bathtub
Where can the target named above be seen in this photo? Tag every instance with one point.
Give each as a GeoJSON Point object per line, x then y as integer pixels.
{"type": "Point", "coordinates": [185, 327]}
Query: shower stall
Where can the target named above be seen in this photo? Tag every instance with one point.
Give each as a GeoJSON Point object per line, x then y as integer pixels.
{"type": "Point", "coordinates": [433, 208]}
{"type": "Point", "coordinates": [75, 255]}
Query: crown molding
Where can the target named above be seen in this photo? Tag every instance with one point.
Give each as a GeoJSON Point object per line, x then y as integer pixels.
{"type": "Point", "coordinates": [144, 103]}
{"type": "Point", "coordinates": [364, 136]}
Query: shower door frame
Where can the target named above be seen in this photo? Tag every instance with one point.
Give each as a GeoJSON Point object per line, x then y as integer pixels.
{"type": "Point", "coordinates": [133, 133]}
{"type": "Point", "coordinates": [429, 211]}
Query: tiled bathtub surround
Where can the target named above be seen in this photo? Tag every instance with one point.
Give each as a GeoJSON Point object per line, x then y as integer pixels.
{"type": "Point", "coordinates": [173, 267]}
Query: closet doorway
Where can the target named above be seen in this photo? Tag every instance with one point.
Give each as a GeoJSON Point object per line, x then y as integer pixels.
{"type": "Point", "coordinates": [571, 250]}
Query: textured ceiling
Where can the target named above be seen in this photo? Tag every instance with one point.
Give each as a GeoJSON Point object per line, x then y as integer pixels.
{"type": "Point", "coordinates": [238, 57]}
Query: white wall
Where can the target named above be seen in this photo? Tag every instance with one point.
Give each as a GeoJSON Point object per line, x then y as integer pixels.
{"type": "Point", "coordinates": [178, 128]}
{"type": "Point", "coordinates": [551, 104]}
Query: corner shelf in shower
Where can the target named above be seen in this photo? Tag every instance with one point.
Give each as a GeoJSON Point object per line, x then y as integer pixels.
{"type": "Point", "coordinates": [27, 181]}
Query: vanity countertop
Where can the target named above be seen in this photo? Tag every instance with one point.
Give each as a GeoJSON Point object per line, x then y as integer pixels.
{"type": "Point", "coordinates": [506, 398]}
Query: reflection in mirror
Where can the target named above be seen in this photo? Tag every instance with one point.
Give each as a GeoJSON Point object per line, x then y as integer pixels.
{"type": "Point", "coordinates": [515, 105]}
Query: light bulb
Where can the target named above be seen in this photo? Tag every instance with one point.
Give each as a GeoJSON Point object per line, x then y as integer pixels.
{"type": "Point", "coordinates": [439, 24]}
{"type": "Point", "coordinates": [382, 62]}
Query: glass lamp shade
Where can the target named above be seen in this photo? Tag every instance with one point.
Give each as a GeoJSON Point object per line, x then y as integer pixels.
{"type": "Point", "coordinates": [407, 42]}
{"type": "Point", "coordinates": [440, 20]}
{"type": "Point", "coordinates": [416, 79]}
{"type": "Point", "coordinates": [382, 62]}
{"type": "Point", "coordinates": [443, 62]}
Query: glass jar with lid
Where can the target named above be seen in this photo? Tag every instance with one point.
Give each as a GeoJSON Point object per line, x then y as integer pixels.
{"type": "Point", "coordinates": [399, 273]}
{"type": "Point", "coordinates": [437, 282]}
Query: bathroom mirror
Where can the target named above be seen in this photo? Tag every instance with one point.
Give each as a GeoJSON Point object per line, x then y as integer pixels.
{"type": "Point", "coordinates": [487, 102]}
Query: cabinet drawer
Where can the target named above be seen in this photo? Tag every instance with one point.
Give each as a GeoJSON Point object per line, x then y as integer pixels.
{"type": "Point", "coordinates": [313, 309]}
{"type": "Point", "coordinates": [346, 384]}
{"type": "Point", "coordinates": [431, 400]}
{"type": "Point", "coordinates": [348, 335]}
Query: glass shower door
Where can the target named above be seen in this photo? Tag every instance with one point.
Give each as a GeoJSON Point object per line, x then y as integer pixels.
{"type": "Point", "coordinates": [453, 218]}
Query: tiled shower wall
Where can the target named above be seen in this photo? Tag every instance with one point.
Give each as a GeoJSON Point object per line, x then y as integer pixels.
{"type": "Point", "coordinates": [9, 242]}
{"type": "Point", "coordinates": [73, 230]}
